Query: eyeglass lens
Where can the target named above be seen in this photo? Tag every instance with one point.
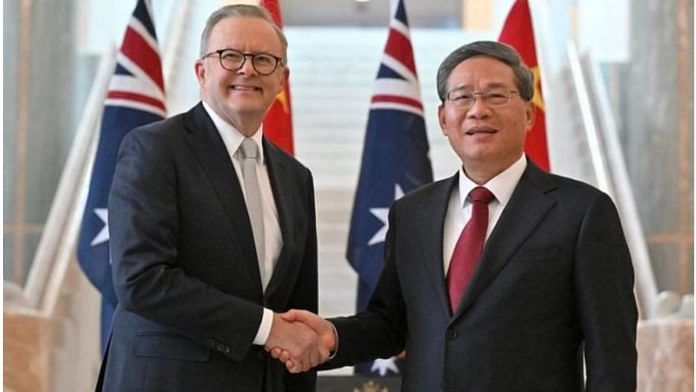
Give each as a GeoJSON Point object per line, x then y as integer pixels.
{"type": "Point", "coordinates": [233, 60]}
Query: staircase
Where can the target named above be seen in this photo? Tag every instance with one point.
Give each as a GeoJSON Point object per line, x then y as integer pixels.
{"type": "Point", "coordinates": [51, 325]}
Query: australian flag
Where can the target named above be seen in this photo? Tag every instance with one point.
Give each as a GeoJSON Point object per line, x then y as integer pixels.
{"type": "Point", "coordinates": [394, 162]}
{"type": "Point", "coordinates": [135, 97]}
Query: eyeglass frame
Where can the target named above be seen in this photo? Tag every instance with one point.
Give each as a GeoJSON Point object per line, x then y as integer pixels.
{"type": "Point", "coordinates": [508, 95]}
{"type": "Point", "coordinates": [219, 52]}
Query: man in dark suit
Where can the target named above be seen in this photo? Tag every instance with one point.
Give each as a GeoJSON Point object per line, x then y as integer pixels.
{"type": "Point", "coordinates": [213, 231]}
{"type": "Point", "coordinates": [551, 285]}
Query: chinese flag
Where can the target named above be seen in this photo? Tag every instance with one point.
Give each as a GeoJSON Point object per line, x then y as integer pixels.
{"type": "Point", "coordinates": [277, 126]}
{"type": "Point", "coordinates": [518, 33]}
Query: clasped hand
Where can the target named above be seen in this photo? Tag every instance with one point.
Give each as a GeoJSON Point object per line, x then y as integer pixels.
{"type": "Point", "coordinates": [300, 339]}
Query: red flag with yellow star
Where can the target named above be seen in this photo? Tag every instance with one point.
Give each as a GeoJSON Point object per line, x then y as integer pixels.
{"type": "Point", "coordinates": [277, 126]}
{"type": "Point", "coordinates": [518, 33]}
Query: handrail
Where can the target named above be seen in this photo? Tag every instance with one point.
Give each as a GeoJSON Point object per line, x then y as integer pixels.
{"type": "Point", "coordinates": [60, 225]}
{"type": "Point", "coordinates": [628, 210]}
{"type": "Point", "coordinates": [611, 173]}
{"type": "Point", "coordinates": [588, 119]}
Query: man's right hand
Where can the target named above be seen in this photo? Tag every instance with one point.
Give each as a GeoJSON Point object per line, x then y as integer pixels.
{"type": "Point", "coordinates": [298, 341]}
{"type": "Point", "coordinates": [322, 328]}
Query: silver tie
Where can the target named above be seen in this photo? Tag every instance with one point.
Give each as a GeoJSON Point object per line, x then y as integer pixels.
{"type": "Point", "coordinates": [250, 153]}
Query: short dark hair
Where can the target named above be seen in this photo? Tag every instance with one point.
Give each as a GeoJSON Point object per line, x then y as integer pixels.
{"type": "Point", "coordinates": [241, 10]}
{"type": "Point", "coordinates": [524, 78]}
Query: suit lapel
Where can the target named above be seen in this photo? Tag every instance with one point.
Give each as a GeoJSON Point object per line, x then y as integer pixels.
{"type": "Point", "coordinates": [210, 151]}
{"type": "Point", "coordinates": [525, 210]}
{"type": "Point", "coordinates": [282, 187]}
{"type": "Point", "coordinates": [431, 219]}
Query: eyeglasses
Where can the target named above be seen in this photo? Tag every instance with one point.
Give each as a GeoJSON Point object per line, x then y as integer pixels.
{"type": "Point", "coordinates": [233, 60]}
{"type": "Point", "coordinates": [465, 98]}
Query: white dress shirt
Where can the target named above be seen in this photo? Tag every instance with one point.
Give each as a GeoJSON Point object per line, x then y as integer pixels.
{"type": "Point", "coordinates": [459, 207]}
{"type": "Point", "coordinates": [273, 243]}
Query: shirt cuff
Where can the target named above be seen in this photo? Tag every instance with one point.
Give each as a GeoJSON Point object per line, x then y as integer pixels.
{"type": "Point", "coordinates": [332, 354]}
{"type": "Point", "coordinates": [264, 328]}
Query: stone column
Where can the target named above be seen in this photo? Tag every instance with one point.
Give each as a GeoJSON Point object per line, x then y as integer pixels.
{"type": "Point", "coordinates": [653, 96]}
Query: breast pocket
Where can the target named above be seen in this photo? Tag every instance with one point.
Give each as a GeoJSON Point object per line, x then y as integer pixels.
{"type": "Point", "coordinates": [160, 344]}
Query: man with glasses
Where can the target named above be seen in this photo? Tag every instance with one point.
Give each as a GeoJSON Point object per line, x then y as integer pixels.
{"type": "Point", "coordinates": [501, 277]}
{"type": "Point", "coordinates": [213, 231]}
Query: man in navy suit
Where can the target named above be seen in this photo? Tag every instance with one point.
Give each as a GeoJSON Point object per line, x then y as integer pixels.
{"type": "Point", "coordinates": [547, 288]}
{"type": "Point", "coordinates": [213, 231]}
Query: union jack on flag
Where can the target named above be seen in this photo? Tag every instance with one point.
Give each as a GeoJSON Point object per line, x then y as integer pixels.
{"type": "Point", "coordinates": [394, 162]}
{"type": "Point", "coordinates": [135, 97]}
{"type": "Point", "coordinates": [397, 85]}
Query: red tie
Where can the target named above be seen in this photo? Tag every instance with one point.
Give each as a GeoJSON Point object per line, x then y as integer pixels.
{"type": "Point", "coordinates": [468, 249]}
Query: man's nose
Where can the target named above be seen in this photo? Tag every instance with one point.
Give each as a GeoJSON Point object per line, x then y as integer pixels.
{"type": "Point", "coordinates": [247, 67]}
{"type": "Point", "coordinates": [479, 108]}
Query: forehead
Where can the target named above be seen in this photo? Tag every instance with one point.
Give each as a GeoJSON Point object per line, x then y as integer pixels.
{"type": "Point", "coordinates": [246, 33]}
{"type": "Point", "coordinates": [480, 72]}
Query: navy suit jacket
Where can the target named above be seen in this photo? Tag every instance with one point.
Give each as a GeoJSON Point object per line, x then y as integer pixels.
{"type": "Point", "coordinates": [555, 282]}
{"type": "Point", "coordinates": [184, 263]}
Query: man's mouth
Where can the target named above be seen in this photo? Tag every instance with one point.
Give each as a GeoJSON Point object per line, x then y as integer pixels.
{"type": "Point", "coordinates": [481, 130]}
{"type": "Point", "coordinates": [239, 87]}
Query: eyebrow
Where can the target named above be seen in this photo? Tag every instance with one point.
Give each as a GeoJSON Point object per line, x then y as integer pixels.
{"type": "Point", "coordinates": [488, 86]}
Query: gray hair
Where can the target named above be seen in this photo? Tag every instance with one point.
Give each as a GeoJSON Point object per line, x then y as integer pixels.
{"type": "Point", "coordinates": [241, 10]}
{"type": "Point", "coordinates": [524, 78]}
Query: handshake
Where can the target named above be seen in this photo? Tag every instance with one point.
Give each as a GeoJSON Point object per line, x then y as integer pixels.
{"type": "Point", "coordinates": [301, 340]}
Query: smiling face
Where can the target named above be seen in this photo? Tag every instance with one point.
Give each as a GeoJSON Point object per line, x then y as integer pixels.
{"type": "Point", "coordinates": [487, 138]}
{"type": "Point", "coordinates": [241, 97]}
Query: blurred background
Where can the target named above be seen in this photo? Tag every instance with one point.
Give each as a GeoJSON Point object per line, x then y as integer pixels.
{"type": "Point", "coordinates": [618, 86]}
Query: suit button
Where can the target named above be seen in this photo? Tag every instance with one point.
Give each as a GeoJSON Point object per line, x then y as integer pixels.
{"type": "Point", "coordinates": [220, 347]}
{"type": "Point", "coordinates": [452, 334]}
{"type": "Point", "coordinates": [210, 342]}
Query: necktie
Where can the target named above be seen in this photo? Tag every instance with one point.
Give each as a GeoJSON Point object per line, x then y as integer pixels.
{"type": "Point", "coordinates": [467, 252]}
{"type": "Point", "coordinates": [250, 153]}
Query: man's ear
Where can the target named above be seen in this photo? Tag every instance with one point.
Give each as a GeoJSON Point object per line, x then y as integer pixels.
{"type": "Point", "coordinates": [200, 71]}
{"type": "Point", "coordinates": [530, 112]}
{"type": "Point", "coordinates": [286, 75]}
{"type": "Point", "coordinates": [441, 119]}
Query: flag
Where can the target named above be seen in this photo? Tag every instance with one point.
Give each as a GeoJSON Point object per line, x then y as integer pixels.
{"type": "Point", "coordinates": [277, 125]}
{"type": "Point", "coordinates": [135, 97]}
{"type": "Point", "coordinates": [394, 162]}
{"type": "Point", "coordinates": [518, 33]}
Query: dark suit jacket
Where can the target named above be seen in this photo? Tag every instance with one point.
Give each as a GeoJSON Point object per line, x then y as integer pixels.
{"type": "Point", "coordinates": [555, 282]}
{"type": "Point", "coordinates": [184, 263]}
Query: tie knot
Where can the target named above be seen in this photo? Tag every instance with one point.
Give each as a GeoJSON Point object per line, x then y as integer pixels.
{"type": "Point", "coordinates": [249, 148]}
{"type": "Point", "coordinates": [481, 194]}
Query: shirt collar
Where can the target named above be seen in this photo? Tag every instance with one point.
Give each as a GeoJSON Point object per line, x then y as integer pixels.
{"type": "Point", "coordinates": [501, 185]}
{"type": "Point", "coordinates": [231, 135]}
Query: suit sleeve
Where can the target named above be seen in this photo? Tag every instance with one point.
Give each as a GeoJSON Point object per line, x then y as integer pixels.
{"type": "Point", "coordinates": [143, 226]}
{"type": "Point", "coordinates": [604, 294]}
{"type": "Point", "coordinates": [380, 330]}
{"type": "Point", "coordinates": [305, 295]}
